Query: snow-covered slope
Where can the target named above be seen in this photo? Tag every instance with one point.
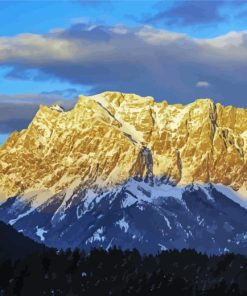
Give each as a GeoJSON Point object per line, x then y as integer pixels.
{"type": "Point", "coordinates": [151, 216]}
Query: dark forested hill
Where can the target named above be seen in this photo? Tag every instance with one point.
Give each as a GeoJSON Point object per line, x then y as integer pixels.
{"type": "Point", "coordinates": [15, 245]}
{"type": "Point", "coordinates": [123, 273]}
{"type": "Point", "coordinates": [28, 268]}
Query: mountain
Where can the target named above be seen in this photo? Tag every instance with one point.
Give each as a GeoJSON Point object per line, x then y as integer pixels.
{"type": "Point", "coordinates": [15, 245]}
{"type": "Point", "coordinates": [102, 140]}
{"type": "Point", "coordinates": [119, 169]}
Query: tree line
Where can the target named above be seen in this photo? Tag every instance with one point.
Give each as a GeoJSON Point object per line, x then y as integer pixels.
{"type": "Point", "coordinates": [124, 272]}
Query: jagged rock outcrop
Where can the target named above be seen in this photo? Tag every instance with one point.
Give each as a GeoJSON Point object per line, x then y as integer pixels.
{"type": "Point", "coordinates": [101, 141]}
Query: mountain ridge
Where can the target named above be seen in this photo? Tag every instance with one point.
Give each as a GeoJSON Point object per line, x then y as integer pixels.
{"type": "Point", "coordinates": [100, 141]}
{"type": "Point", "coordinates": [121, 169]}
{"type": "Point", "coordinates": [10, 238]}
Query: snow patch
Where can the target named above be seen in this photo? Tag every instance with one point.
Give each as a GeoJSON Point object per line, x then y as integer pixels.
{"type": "Point", "coordinates": [57, 108]}
{"type": "Point", "coordinates": [162, 247]}
{"type": "Point", "coordinates": [167, 222]}
{"type": "Point", "coordinates": [59, 215]}
{"type": "Point", "coordinates": [13, 221]}
{"type": "Point", "coordinates": [97, 236]}
{"type": "Point", "coordinates": [109, 245]}
{"type": "Point", "coordinates": [233, 195]}
{"type": "Point", "coordinates": [128, 201]}
{"type": "Point", "coordinates": [176, 119]}
{"type": "Point", "coordinates": [199, 220]}
{"type": "Point", "coordinates": [40, 233]}
{"type": "Point", "coordinates": [206, 189]}
{"type": "Point", "coordinates": [159, 190]}
{"type": "Point", "coordinates": [123, 224]}
{"type": "Point", "coordinates": [37, 197]}
{"type": "Point", "coordinates": [61, 218]}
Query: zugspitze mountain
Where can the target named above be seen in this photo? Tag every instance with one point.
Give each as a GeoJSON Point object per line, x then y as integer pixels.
{"type": "Point", "coordinates": [120, 169]}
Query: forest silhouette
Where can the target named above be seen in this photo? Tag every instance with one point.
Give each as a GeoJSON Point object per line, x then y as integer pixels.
{"type": "Point", "coordinates": [29, 268]}
{"type": "Point", "coordinates": [118, 272]}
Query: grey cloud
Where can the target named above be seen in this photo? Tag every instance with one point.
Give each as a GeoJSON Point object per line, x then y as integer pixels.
{"type": "Point", "coordinates": [15, 116]}
{"type": "Point", "coordinates": [65, 93]}
{"type": "Point", "coordinates": [16, 111]}
{"type": "Point", "coordinates": [81, 31]}
{"type": "Point", "coordinates": [18, 72]}
{"type": "Point", "coordinates": [196, 12]}
{"type": "Point", "coordinates": [142, 60]}
{"type": "Point", "coordinates": [190, 13]}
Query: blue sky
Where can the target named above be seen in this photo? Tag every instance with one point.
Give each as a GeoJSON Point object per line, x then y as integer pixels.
{"type": "Point", "coordinates": [52, 51]}
{"type": "Point", "coordinates": [41, 16]}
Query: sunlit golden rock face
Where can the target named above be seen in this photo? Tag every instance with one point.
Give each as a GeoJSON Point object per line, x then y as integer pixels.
{"type": "Point", "coordinates": [101, 142]}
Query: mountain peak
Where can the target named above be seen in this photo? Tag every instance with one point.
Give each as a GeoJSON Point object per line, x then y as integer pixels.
{"type": "Point", "coordinates": [101, 141]}
{"type": "Point", "coordinates": [57, 108]}
{"type": "Point", "coordinates": [204, 101]}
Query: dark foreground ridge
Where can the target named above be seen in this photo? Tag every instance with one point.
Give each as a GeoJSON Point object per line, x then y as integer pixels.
{"type": "Point", "coordinates": [117, 272]}
{"type": "Point", "coordinates": [15, 245]}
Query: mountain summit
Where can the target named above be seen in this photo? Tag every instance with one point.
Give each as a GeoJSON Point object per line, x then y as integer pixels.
{"type": "Point", "coordinates": [110, 137]}
{"type": "Point", "coordinates": [123, 170]}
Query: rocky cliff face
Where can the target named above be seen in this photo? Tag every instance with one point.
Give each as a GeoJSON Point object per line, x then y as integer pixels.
{"type": "Point", "coordinates": [110, 137]}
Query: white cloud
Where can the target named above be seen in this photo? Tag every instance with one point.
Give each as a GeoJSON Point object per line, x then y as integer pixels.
{"type": "Point", "coordinates": [143, 60]}
{"type": "Point", "coordinates": [202, 84]}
